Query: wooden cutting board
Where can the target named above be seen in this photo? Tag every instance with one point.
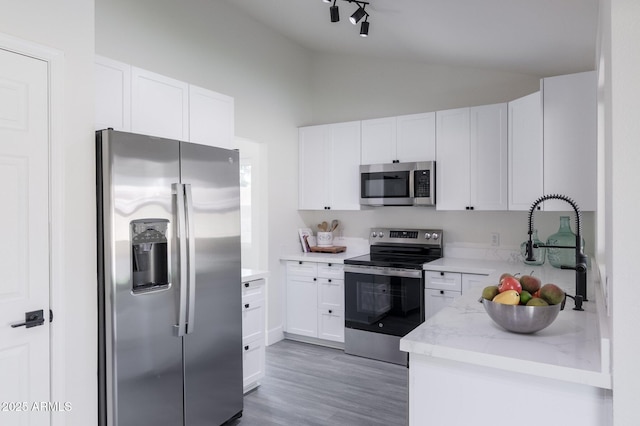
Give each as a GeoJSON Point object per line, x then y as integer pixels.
{"type": "Point", "coordinates": [332, 249]}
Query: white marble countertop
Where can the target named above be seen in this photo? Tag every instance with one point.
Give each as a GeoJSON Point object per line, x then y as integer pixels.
{"type": "Point", "coordinates": [574, 348]}
{"type": "Point", "coordinates": [253, 274]}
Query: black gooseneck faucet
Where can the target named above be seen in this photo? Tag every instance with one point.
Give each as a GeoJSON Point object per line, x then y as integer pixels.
{"type": "Point", "coordinates": [581, 258]}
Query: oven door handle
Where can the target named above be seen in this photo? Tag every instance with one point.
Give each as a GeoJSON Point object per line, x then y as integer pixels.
{"type": "Point", "coordinates": [387, 272]}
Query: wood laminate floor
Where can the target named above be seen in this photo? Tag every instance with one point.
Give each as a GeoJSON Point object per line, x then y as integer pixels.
{"type": "Point", "coordinates": [309, 385]}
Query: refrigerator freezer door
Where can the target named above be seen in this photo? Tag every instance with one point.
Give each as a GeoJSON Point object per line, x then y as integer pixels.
{"type": "Point", "coordinates": [140, 354]}
{"type": "Point", "coordinates": [213, 351]}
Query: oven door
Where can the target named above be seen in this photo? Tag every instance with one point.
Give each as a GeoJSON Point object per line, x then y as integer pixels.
{"type": "Point", "coordinates": [383, 300]}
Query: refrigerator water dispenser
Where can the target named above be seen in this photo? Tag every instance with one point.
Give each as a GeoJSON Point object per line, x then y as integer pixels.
{"type": "Point", "coordinates": [149, 255]}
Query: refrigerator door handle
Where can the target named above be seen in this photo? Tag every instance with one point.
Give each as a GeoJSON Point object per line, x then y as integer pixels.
{"type": "Point", "coordinates": [178, 192]}
{"type": "Point", "coordinates": [191, 256]}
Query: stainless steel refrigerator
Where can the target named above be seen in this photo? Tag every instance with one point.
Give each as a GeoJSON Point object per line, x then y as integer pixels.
{"type": "Point", "coordinates": [170, 324]}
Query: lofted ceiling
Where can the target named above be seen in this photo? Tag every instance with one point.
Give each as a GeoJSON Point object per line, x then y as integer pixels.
{"type": "Point", "coordinates": [537, 37]}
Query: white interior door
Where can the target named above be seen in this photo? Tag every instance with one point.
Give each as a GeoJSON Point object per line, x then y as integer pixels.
{"type": "Point", "coordinates": [24, 242]}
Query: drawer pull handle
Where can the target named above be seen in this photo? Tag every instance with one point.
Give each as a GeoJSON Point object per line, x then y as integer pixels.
{"type": "Point", "coordinates": [330, 311]}
{"type": "Point", "coordinates": [329, 265]}
{"type": "Point", "coordinates": [246, 348]}
{"type": "Point", "coordinates": [246, 305]}
{"type": "Point", "coordinates": [299, 262]}
{"type": "Point", "coordinates": [329, 280]}
{"type": "Point", "coordinates": [441, 291]}
{"type": "Point", "coordinates": [246, 284]}
{"type": "Point", "coordinates": [442, 274]}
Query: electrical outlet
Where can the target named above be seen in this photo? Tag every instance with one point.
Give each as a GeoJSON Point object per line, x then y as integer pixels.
{"type": "Point", "coordinates": [495, 239]}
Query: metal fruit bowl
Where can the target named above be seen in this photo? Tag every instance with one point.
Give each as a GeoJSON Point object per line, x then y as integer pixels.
{"type": "Point", "coordinates": [522, 319]}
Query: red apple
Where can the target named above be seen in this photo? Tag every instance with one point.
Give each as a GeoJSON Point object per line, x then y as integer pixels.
{"type": "Point", "coordinates": [510, 283]}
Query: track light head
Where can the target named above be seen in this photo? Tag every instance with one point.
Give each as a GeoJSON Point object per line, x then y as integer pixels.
{"type": "Point", "coordinates": [326, 1]}
{"type": "Point", "coordinates": [335, 15]}
{"type": "Point", "coordinates": [364, 29]}
{"type": "Point", "coordinates": [357, 15]}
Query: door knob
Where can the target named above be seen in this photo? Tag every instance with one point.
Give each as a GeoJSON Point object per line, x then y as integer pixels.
{"type": "Point", "coordinates": [31, 319]}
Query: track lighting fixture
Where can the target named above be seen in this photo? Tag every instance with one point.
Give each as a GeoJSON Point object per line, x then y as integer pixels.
{"type": "Point", "coordinates": [355, 18]}
{"type": "Point", "coordinates": [333, 10]}
{"type": "Point", "coordinates": [357, 15]}
{"type": "Point", "coordinates": [364, 28]}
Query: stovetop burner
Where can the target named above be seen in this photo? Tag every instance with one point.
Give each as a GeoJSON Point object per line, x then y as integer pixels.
{"type": "Point", "coordinates": [401, 248]}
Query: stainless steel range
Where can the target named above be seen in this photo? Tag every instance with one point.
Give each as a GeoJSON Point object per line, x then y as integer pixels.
{"type": "Point", "coordinates": [384, 291]}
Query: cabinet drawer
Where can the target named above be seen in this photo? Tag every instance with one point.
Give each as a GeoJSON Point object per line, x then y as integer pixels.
{"type": "Point", "coordinates": [253, 289]}
{"type": "Point", "coordinates": [302, 269]}
{"type": "Point", "coordinates": [443, 280]}
{"type": "Point", "coordinates": [331, 270]}
{"type": "Point", "coordinates": [330, 293]}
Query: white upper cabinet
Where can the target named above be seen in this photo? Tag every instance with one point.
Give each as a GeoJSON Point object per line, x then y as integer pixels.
{"type": "Point", "coordinates": [329, 160]}
{"type": "Point", "coordinates": [525, 151]}
{"type": "Point", "coordinates": [570, 139]}
{"type": "Point", "coordinates": [488, 159]}
{"type": "Point", "coordinates": [471, 148]}
{"type": "Point", "coordinates": [211, 118]}
{"type": "Point", "coordinates": [159, 105]}
{"type": "Point", "coordinates": [405, 138]}
{"type": "Point", "coordinates": [113, 95]}
{"type": "Point", "coordinates": [312, 189]}
{"type": "Point", "coordinates": [378, 141]}
{"type": "Point", "coordinates": [453, 159]}
{"type": "Point", "coordinates": [344, 166]}
{"type": "Point", "coordinates": [131, 99]}
{"type": "Point", "coordinates": [416, 137]}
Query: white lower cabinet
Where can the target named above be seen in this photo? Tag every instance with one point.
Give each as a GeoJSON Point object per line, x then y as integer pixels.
{"type": "Point", "coordinates": [441, 288]}
{"type": "Point", "coordinates": [253, 335]}
{"type": "Point", "coordinates": [315, 300]}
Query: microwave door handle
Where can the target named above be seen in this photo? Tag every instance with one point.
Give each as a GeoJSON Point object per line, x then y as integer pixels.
{"type": "Point", "coordinates": [178, 193]}
{"type": "Point", "coordinates": [411, 183]}
{"type": "Point", "coordinates": [191, 256]}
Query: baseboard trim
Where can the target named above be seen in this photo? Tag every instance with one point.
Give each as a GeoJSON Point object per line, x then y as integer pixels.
{"type": "Point", "coordinates": [274, 335]}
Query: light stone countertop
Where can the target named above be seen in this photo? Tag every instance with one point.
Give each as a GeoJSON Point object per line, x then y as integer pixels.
{"type": "Point", "coordinates": [574, 348]}
{"type": "Point", "coordinates": [253, 274]}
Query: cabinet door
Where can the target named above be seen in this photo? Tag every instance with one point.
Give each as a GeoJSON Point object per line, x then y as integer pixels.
{"type": "Point", "coordinates": [343, 171]}
{"type": "Point", "coordinates": [253, 362]}
{"type": "Point", "coordinates": [488, 157]}
{"type": "Point", "coordinates": [379, 141]}
{"type": "Point", "coordinates": [525, 151]}
{"type": "Point", "coordinates": [211, 118]}
{"type": "Point", "coordinates": [113, 95]}
{"type": "Point", "coordinates": [416, 137]}
{"type": "Point", "coordinates": [252, 319]}
{"type": "Point", "coordinates": [452, 156]}
{"type": "Point", "coordinates": [302, 306]}
{"type": "Point", "coordinates": [159, 105]}
{"type": "Point", "coordinates": [570, 135]}
{"type": "Point", "coordinates": [330, 294]}
{"type": "Point", "coordinates": [435, 300]}
{"type": "Point", "coordinates": [312, 146]}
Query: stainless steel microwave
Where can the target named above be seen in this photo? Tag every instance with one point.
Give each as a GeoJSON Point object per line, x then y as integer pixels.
{"type": "Point", "coordinates": [398, 184]}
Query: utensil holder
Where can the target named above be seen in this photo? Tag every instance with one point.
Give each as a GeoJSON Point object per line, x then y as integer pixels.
{"type": "Point", "coordinates": [325, 239]}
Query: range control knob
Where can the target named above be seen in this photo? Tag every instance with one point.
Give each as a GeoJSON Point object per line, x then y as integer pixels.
{"type": "Point", "coordinates": [427, 236]}
{"type": "Point", "coordinates": [373, 234]}
{"type": "Point", "coordinates": [435, 236]}
{"type": "Point", "coordinates": [380, 234]}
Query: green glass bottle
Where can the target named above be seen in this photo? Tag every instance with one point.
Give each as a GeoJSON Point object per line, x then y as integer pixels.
{"type": "Point", "coordinates": [564, 237]}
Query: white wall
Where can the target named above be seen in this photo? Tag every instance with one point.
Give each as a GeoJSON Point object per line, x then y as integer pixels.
{"type": "Point", "coordinates": [349, 88]}
{"type": "Point", "coordinates": [620, 71]}
{"type": "Point", "coordinates": [68, 27]}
